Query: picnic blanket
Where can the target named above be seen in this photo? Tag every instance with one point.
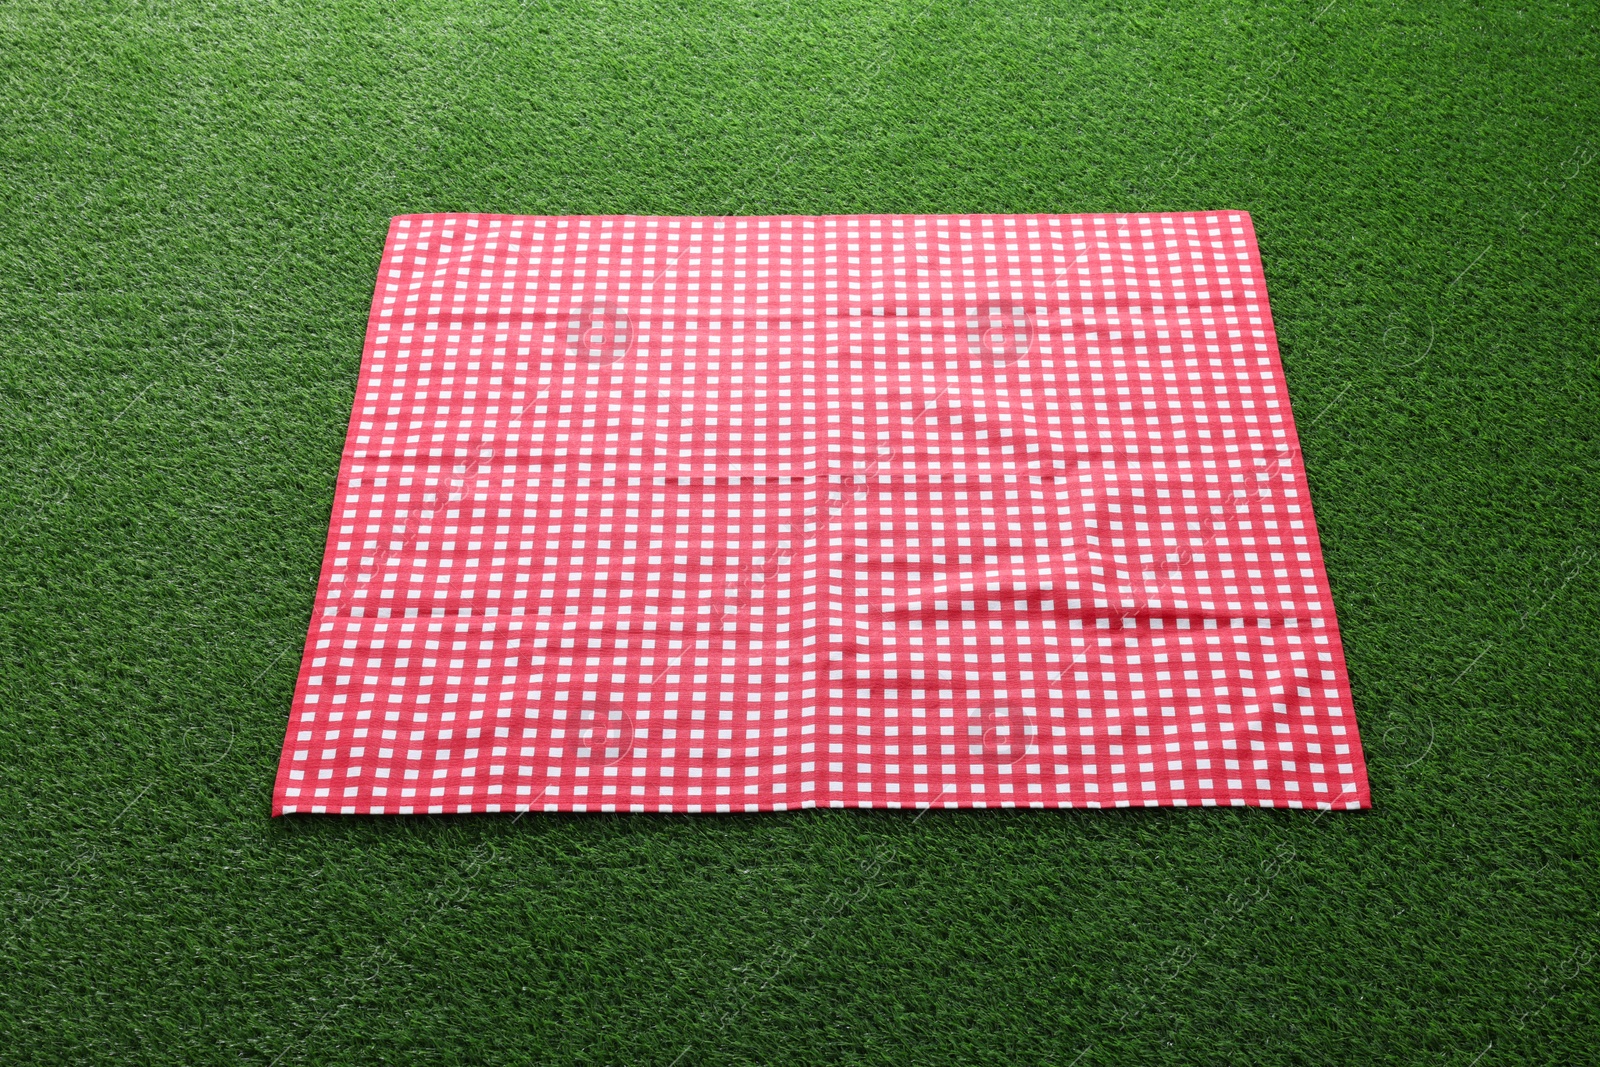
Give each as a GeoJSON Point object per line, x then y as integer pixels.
{"type": "Point", "coordinates": [756, 514]}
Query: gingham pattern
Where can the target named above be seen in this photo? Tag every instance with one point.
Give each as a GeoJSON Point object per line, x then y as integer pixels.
{"type": "Point", "coordinates": [748, 514]}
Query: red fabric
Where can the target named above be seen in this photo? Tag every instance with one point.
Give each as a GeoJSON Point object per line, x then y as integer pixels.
{"type": "Point", "coordinates": [750, 514]}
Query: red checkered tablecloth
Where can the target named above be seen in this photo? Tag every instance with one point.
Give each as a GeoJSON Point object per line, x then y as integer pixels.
{"type": "Point", "coordinates": [752, 514]}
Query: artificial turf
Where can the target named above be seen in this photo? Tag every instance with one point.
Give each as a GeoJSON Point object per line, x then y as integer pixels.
{"type": "Point", "coordinates": [193, 198]}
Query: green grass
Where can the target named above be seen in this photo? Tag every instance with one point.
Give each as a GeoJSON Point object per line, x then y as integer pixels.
{"type": "Point", "coordinates": [193, 199]}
